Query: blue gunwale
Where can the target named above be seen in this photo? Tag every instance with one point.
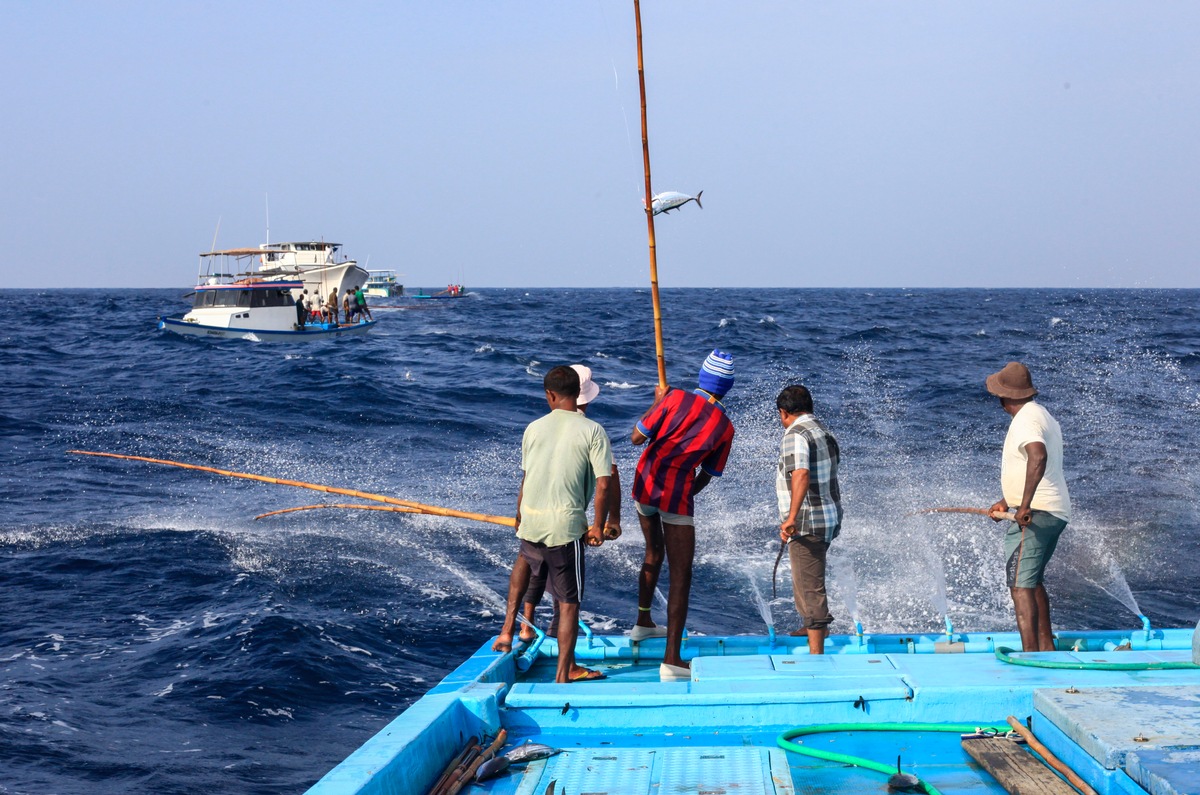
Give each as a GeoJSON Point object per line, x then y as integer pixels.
{"type": "Point", "coordinates": [744, 691]}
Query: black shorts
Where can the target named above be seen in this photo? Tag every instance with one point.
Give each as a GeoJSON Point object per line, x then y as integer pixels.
{"type": "Point", "coordinates": [560, 567]}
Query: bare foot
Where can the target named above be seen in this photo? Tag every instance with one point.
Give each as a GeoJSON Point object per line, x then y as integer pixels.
{"type": "Point", "coordinates": [502, 643]}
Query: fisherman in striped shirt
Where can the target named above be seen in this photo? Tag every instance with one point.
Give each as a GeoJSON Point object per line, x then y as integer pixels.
{"type": "Point", "coordinates": [685, 431]}
{"type": "Point", "coordinates": [810, 507]}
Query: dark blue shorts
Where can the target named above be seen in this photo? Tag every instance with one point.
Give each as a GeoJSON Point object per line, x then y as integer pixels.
{"type": "Point", "coordinates": [560, 567]}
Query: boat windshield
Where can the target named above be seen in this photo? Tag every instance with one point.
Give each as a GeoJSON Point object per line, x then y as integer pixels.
{"type": "Point", "coordinates": [250, 298]}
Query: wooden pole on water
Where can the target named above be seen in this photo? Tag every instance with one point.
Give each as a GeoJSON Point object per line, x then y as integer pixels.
{"type": "Point", "coordinates": [435, 510]}
{"type": "Point", "coordinates": [658, 332]}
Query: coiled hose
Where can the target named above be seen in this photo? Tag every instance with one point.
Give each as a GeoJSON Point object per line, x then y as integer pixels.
{"type": "Point", "coordinates": [784, 741]}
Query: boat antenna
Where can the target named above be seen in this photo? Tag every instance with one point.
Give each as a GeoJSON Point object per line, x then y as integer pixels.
{"type": "Point", "coordinates": [658, 332]}
{"type": "Point", "coordinates": [216, 232]}
{"type": "Point", "coordinates": [267, 202]}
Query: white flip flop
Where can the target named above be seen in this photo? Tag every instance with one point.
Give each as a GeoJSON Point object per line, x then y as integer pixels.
{"type": "Point", "coordinates": [640, 633]}
{"type": "Point", "coordinates": [673, 673]}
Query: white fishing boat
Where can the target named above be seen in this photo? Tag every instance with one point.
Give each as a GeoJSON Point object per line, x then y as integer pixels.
{"type": "Point", "coordinates": [315, 263]}
{"type": "Point", "coordinates": [228, 304]}
{"type": "Point", "coordinates": [383, 284]}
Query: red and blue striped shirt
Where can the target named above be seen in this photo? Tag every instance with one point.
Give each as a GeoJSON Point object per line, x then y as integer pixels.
{"type": "Point", "coordinates": [686, 430]}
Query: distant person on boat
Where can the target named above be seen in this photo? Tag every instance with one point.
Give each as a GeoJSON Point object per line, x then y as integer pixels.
{"type": "Point", "coordinates": [810, 507]}
{"type": "Point", "coordinates": [565, 458]}
{"type": "Point", "coordinates": [347, 309]}
{"type": "Point", "coordinates": [331, 306]}
{"type": "Point", "coordinates": [588, 391]}
{"type": "Point", "coordinates": [1031, 479]}
{"type": "Point", "coordinates": [684, 430]}
{"type": "Point", "coordinates": [360, 298]}
{"type": "Point", "coordinates": [301, 310]}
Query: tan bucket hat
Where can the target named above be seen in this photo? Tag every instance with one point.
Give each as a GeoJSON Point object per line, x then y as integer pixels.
{"type": "Point", "coordinates": [1012, 382]}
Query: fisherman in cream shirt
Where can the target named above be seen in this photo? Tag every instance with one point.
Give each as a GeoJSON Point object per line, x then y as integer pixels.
{"type": "Point", "coordinates": [1031, 479]}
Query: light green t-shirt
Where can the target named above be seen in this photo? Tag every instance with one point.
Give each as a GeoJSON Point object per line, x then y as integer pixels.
{"type": "Point", "coordinates": [562, 454]}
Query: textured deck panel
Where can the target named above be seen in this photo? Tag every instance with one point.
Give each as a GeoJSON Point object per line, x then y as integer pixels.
{"type": "Point", "coordinates": [1166, 771]}
{"type": "Point", "coordinates": [1105, 720]}
{"type": "Point", "coordinates": [1164, 759]}
{"type": "Point", "coordinates": [679, 771]}
{"type": "Point", "coordinates": [970, 671]}
{"type": "Point", "coordinates": [778, 666]}
{"type": "Point", "coordinates": [606, 771]}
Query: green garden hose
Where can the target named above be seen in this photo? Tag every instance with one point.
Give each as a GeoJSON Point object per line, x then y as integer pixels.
{"type": "Point", "coordinates": [1003, 652]}
{"type": "Point", "coordinates": [784, 741]}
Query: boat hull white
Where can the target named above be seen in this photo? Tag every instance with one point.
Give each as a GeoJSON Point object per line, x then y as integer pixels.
{"type": "Point", "coordinates": [308, 332]}
{"type": "Point", "coordinates": [320, 281]}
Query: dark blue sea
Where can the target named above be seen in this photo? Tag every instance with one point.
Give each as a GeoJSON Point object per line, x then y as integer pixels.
{"type": "Point", "coordinates": [155, 637]}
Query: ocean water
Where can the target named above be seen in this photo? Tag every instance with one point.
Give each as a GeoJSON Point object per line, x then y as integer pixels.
{"type": "Point", "coordinates": [155, 637]}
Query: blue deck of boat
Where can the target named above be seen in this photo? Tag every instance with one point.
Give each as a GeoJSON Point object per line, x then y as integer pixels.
{"type": "Point", "coordinates": [1124, 731]}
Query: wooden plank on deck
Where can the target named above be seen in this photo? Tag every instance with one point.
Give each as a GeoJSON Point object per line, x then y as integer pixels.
{"type": "Point", "coordinates": [1017, 770]}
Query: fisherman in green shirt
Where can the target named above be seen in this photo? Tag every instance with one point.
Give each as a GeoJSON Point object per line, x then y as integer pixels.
{"type": "Point", "coordinates": [566, 458]}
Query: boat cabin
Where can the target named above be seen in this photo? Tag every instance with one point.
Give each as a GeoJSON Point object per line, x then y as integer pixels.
{"type": "Point", "coordinates": [301, 255]}
{"type": "Point", "coordinates": [251, 296]}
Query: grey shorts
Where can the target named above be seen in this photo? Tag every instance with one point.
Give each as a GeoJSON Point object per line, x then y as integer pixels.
{"type": "Point", "coordinates": [667, 516]}
{"type": "Point", "coordinates": [1027, 550]}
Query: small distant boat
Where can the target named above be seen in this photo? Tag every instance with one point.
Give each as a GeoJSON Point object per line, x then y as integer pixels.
{"type": "Point", "coordinates": [230, 305]}
{"type": "Point", "coordinates": [383, 284]}
{"type": "Point", "coordinates": [451, 291]}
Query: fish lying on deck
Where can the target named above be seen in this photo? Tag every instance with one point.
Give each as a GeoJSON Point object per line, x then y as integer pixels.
{"type": "Point", "coordinates": [670, 200]}
{"type": "Point", "coordinates": [530, 752]}
{"type": "Point", "coordinates": [491, 768]}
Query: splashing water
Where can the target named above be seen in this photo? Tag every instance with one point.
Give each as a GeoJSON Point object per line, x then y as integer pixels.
{"type": "Point", "coordinates": [1118, 588]}
{"type": "Point", "coordinates": [841, 568]}
{"type": "Point", "coordinates": [764, 607]}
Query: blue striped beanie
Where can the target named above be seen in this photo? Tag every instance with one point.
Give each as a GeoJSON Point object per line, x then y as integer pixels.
{"type": "Point", "coordinates": [716, 374]}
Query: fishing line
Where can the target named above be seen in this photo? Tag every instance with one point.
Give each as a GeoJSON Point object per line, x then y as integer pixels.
{"type": "Point", "coordinates": [632, 155]}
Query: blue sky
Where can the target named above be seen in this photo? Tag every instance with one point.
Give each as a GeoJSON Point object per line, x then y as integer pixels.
{"type": "Point", "coordinates": [916, 144]}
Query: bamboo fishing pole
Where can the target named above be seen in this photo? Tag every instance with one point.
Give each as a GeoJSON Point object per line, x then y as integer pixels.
{"type": "Point", "coordinates": [362, 495]}
{"type": "Point", "coordinates": [658, 332]}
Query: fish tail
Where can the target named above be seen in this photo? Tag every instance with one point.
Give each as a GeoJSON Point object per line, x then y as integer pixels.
{"type": "Point", "coordinates": [698, 204]}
